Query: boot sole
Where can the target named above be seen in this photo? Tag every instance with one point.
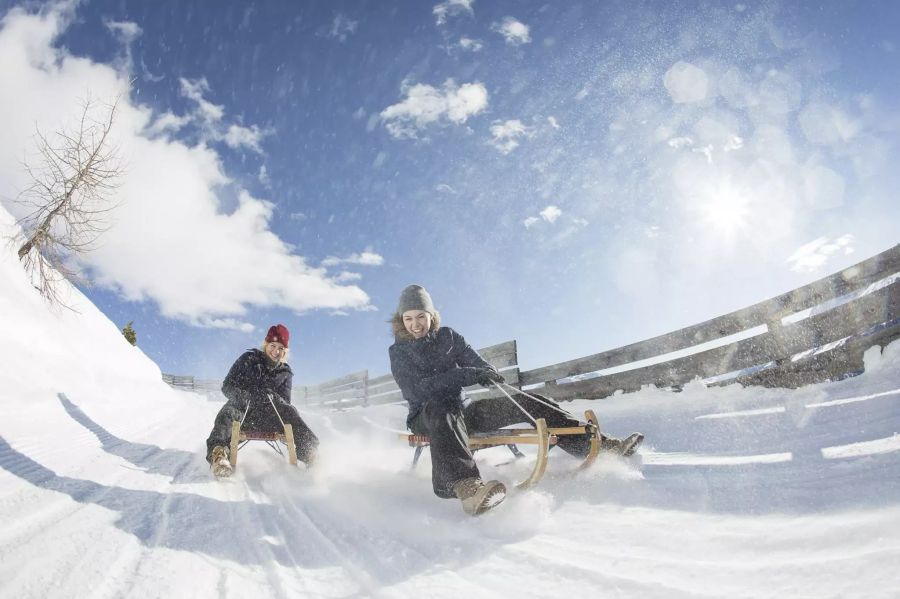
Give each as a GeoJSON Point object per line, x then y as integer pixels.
{"type": "Point", "coordinates": [493, 498]}
{"type": "Point", "coordinates": [631, 444]}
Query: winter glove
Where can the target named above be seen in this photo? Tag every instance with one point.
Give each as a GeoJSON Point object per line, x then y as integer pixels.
{"type": "Point", "coordinates": [276, 397]}
{"type": "Point", "coordinates": [487, 376]}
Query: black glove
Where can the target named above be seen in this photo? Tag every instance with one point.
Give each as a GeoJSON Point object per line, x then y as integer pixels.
{"type": "Point", "coordinates": [487, 376]}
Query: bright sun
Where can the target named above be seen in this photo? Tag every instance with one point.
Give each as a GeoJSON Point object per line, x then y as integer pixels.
{"type": "Point", "coordinates": [725, 211]}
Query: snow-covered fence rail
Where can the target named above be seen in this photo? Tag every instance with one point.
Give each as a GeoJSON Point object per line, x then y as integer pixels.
{"type": "Point", "coordinates": [812, 334]}
{"type": "Point", "coordinates": [211, 388]}
{"type": "Point", "coordinates": [346, 391]}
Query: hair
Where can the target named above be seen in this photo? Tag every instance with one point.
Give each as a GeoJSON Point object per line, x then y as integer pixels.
{"type": "Point", "coordinates": [284, 354]}
{"type": "Point", "coordinates": [400, 332]}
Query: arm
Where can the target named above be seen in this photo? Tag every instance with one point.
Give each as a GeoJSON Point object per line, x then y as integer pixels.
{"type": "Point", "coordinates": [241, 381]}
{"type": "Point", "coordinates": [466, 356]}
{"type": "Point", "coordinates": [283, 386]}
{"type": "Point", "coordinates": [417, 389]}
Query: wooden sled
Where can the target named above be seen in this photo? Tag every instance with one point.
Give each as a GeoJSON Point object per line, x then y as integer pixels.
{"type": "Point", "coordinates": [542, 436]}
{"type": "Point", "coordinates": [239, 438]}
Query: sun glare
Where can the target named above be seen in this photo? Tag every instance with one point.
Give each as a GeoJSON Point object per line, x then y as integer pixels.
{"type": "Point", "coordinates": [725, 212]}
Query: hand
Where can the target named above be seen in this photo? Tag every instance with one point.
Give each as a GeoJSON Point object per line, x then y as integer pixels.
{"type": "Point", "coordinates": [487, 376]}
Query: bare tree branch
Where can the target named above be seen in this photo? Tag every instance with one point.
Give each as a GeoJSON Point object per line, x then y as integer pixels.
{"type": "Point", "coordinates": [71, 190]}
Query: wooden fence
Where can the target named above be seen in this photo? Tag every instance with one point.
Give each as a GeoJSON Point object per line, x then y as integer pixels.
{"type": "Point", "coordinates": [812, 334]}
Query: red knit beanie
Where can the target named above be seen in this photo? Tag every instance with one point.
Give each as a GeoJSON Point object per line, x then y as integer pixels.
{"type": "Point", "coordinates": [279, 333]}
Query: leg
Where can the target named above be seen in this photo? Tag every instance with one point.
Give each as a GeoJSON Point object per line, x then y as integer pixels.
{"type": "Point", "coordinates": [497, 412]}
{"type": "Point", "coordinates": [221, 431]}
{"type": "Point", "coordinates": [451, 458]}
{"type": "Point", "coordinates": [305, 441]}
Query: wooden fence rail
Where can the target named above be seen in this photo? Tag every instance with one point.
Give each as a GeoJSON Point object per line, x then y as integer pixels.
{"type": "Point", "coordinates": [812, 334]}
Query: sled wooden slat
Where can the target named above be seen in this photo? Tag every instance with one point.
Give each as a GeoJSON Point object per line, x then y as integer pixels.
{"type": "Point", "coordinates": [534, 439]}
{"type": "Point", "coordinates": [542, 436]}
{"type": "Point", "coordinates": [239, 437]}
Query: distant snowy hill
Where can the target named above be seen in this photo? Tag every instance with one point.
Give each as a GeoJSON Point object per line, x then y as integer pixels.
{"type": "Point", "coordinates": [104, 491]}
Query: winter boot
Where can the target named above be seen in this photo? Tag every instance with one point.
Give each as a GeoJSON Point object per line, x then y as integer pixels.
{"type": "Point", "coordinates": [625, 447]}
{"type": "Point", "coordinates": [218, 461]}
{"type": "Point", "coordinates": [478, 496]}
{"type": "Point", "coordinates": [631, 443]}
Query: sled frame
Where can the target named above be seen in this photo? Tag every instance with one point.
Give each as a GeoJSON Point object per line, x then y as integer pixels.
{"type": "Point", "coordinates": [541, 435]}
{"type": "Point", "coordinates": [240, 438]}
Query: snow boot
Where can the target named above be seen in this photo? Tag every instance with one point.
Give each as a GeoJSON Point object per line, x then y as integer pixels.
{"type": "Point", "coordinates": [624, 447]}
{"type": "Point", "coordinates": [478, 496]}
{"type": "Point", "coordinates": [218, 461]}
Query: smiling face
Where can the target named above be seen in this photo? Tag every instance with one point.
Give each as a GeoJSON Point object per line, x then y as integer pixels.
{"type": "Point", "coordinates": [275, 350]}
{"type": "Point", "coordinates": [417, 322]}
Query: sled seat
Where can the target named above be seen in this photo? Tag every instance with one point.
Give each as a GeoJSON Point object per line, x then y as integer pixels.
{"type": "Point", "coordinates": [240, 437]}
{"type": "Point", "coordinates": [541, 435]}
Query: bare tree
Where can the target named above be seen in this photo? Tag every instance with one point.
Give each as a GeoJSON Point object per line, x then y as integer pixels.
{"type": "Point", "coordinates": [71, 189]}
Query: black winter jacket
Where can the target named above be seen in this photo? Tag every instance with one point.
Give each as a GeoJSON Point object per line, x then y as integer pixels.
{"type": "Point", "coordinates": [252, 376]}
{"type": "Point", "coordinates": [434, 368]}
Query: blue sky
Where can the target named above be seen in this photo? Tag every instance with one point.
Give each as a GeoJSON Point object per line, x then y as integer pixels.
{"type": "Point", "coordinates": [575, 176]}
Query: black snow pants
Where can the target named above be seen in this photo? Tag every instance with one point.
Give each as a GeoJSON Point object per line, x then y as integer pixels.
{"type": "Point", "coordinates": [261, 417]}
{"type": "Point", "coordinates": [449, 427]}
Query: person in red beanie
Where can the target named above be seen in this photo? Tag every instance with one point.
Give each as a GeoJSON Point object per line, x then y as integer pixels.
{"type": "Point", "coordinates": [257, 384]}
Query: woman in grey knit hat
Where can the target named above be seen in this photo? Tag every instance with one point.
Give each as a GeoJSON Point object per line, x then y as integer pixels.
{"type": "Point", "coordinates": [432, 364]}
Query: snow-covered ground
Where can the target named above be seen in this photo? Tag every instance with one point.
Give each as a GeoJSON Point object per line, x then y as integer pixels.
{"type": "Point", "coordinates": [104, 491]}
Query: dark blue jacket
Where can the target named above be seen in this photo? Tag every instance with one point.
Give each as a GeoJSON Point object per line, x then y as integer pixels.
{"type": "Point", "coordinates": [252, 376]}
{"type": "Point", "coordinates": [434, 368]}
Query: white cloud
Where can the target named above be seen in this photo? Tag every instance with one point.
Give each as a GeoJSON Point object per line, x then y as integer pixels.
{"type": "Point", "coordinates": [342, 27]}
{"type": "Point", "coordinates": [170, 241]}
{"type": "Point", "coordinates": [686, 83]}
{"type": "Point", "coordinates": [263, 176]}
{"type": "Point", "coordinates": [513, 31]}
{"type": "Point", "coordinates": [506, 135]}
{"type": "Point", "coordinates": [425, 105]}
{"type": "Point", "coordinates": [451, 8]}
{"type": "Point", "coordinates": [167, 123]}
{"type": "Point", "coordinates": [366, 258]}
{"type": "Point", "coordinates": [444, 188]}
{"type": "Point", "coordinates": [470, 45]}
{"type": "Point", "coordinates": [553, 122]}
{"type": "Point", "coordinates": [733, 143]}
{"type": "Point", "coordinates": [209, 119]}
{"type": "Point", "coordinates": [194, 89]}
{"type": "Point", "coordinates": [551, 213]}
{"type": "Point", "coordinates": [812, 256]}
{"type": "Point", "coordinates": [126, 31]}
{"type": "Point", "coordinates": [346, 276]}
{"type": "Point", "coordinates": [238, 136]}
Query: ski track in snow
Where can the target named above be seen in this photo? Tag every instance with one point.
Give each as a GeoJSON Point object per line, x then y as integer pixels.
{"type": "Point", "coordinates": [105, 492]}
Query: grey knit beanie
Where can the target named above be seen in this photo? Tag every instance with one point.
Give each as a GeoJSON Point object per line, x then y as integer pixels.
{"type": "Point", "coordinates": [414, 297]}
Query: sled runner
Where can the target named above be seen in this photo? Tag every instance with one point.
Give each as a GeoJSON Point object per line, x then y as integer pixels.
{"type": "Point", "coordinates": [274, 439]}
{"type": "Point", "coordinates": [541, 435]}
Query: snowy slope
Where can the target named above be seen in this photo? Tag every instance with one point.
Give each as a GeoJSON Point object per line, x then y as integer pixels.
{"type": "Point", "coordinates": [104, 491]}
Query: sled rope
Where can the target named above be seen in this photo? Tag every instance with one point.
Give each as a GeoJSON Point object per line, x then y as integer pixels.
{"type": "Point", "coordinates": [271, 401]}
{"type": "Point", "coordinates": [540, 401]}
{"type": "Point", "coordinates": [524, 411]}
{"type": "Point", "coordinates": [247, 409]}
